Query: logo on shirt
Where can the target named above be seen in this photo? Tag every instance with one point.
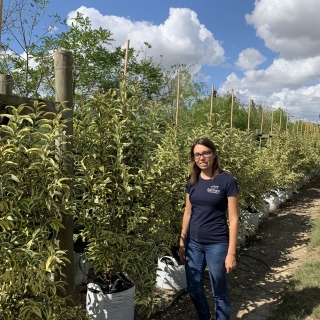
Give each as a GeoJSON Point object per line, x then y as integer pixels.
{"type": "Point", "coordinates": [213, 189]}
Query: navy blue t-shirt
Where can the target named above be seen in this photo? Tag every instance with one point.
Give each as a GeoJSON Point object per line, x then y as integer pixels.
{"type": "Point", "coordinates": [209, 199]}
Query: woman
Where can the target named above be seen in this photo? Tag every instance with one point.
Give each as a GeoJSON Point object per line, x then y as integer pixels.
{"type": "Point", "coordinates": [207, 237]}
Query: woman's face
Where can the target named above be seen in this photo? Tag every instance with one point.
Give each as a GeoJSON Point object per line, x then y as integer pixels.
{"type": "Point", "coordinates": [203, 157]}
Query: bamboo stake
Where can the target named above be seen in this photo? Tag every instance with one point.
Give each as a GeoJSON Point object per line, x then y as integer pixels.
{"type": "Point", "coordinates": [287, 122]}
{"type": "Point", "coordinates": [309, 128]}
{"type": "Point", "coordinates": [280, 120]}
{"type": "Point", "coordinates": [306, 130]}
{"type": "Point", "coordinates": [231, 117]}
{"type": "Point", "coordinates": [178, 97]}
{"type": "Point", "coordinates": [249, 107]}
{"type": "Point", "coordinates": [211, 104]}
{"type": "Point", "coordinates": [271, 128]}
{"type": "Point", "coordinates": [126, 59]}
{"type": "Point", "coordinates": [262, 112]}
{"type": "Point", "coordinates": [294, 124]}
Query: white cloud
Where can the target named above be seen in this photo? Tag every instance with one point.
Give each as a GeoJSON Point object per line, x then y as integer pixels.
{"type": "Point", "coordinates": [280, 74]}
{"type": "Point", "coordinates": [302, 103]}
{"type": "Point", "coordinates": [284, 83]}
{"type": "Point", "coordinates": [249, 59]}
{"type": "Point", "coordinates": [290, 27]}
{"type": "Point", "coordinates": [181, 38]}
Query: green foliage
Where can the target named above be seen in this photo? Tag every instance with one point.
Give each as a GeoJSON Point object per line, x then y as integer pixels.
{"type": "Point", "coordinates": [34, 196]}
{"type": "Point", "coordinates": [117, 178]}
{"type": "Point", "coordinates": [127, 194]}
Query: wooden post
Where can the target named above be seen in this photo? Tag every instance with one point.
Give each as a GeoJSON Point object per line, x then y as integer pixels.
{"type": "Point", "coordinates": [63, 66]}
{"type": "Point", "coordinates": [5, 88]}
{"type": "Point", "coordinates": [126, 59]}
{"type": "Point", "coordinates": [231, 116]}
{"type": "Point", "coordinates": [211, 104]}
{"type": "Point", "coordinates": [6, 82]}
{"type": "Point", "coordinates": [178, 97]}
{"type": "Point", "coordinates": [287, 122]}
{"type": "Point", "coordinates": [249, 107]}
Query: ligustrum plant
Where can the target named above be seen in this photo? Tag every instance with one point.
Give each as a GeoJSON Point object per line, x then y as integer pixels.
{"type": "Point", "coordinates": [292, 157]}
{"type": "Point", "coordinates": [34, 196]}
{"type": "Point", "coordinates": [117, 180]}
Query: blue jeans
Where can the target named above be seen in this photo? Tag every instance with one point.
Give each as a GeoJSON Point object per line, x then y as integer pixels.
{"type": "Point", "coordinates": [198, 256]}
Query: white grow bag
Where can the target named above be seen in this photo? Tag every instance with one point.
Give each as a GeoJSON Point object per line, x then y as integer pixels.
{"type": "Point", "coordinates": [112, 306]}
{"type": "Point", "coordinates": [81, 268]}
{"type": "Point", "coordinates": [265, 211]}
{"type": "Point", "coordinates": [273, 202]}
{"type": "Point", "coordinates": [281, 194]}
{"type": "Point", "coordinates": [242, 233]}
{"type": "Point", "coordinates": [171, 276]}
{"type": "Point", "coordinates": [289, 194]}
{"type": "Point", "coordinates": [252, 218]}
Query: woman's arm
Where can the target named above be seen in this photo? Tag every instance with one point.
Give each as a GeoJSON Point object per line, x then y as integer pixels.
{"type": "Point", "coordinates": [185, 226]}
{"type": "Point", "coordinates": [233, 211]}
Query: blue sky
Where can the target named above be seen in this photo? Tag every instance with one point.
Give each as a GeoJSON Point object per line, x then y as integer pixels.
{"type": "Point", "coordinates": [266, 50]}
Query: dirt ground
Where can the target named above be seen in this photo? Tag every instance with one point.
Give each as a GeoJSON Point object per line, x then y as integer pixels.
{"type": "Point", "coordinates": [266, 262]}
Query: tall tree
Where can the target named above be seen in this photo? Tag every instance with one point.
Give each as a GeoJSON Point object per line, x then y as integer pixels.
{"type": "Point", "coordinates": [22, 37]}
{"type": "Point", "coordinates": [28, 56]}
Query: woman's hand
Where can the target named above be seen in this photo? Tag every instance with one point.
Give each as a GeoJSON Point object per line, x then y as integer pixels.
{"type": "Point", "coordinates": [230, 262]}
{"type": "Point", "coordinates": [182, 250]}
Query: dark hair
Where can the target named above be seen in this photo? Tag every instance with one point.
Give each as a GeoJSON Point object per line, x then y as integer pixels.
{"type": "Point", "coordinates": [195, 171]}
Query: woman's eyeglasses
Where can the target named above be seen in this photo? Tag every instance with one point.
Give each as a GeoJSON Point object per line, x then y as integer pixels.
{"type": "Point", "coordinates": [205, 154]}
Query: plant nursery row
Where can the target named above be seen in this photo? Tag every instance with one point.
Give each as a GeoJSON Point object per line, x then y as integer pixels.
{"type": "Point", "coordinates": [125, 196]}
